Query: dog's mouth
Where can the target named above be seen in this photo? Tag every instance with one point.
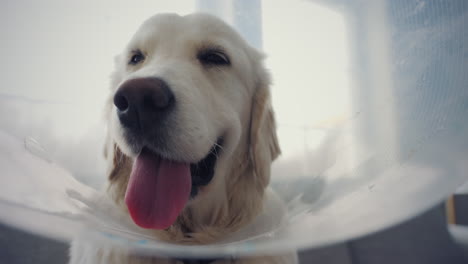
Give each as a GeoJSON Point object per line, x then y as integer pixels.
{"type": "Point", "coordinates": [158, 188]}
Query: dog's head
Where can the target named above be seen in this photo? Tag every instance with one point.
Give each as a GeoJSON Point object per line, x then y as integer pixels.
{"type": "Point", "coordinates": [191, 132]}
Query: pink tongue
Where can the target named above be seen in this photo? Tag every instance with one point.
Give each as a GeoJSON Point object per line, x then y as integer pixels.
{"type": "Point", "coordinates": [157, 191]}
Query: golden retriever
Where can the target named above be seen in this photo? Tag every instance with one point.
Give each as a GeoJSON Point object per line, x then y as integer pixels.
{"type": "Point", "coordinates": [191, 135]}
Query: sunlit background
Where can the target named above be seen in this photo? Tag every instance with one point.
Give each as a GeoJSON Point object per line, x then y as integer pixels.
{"type": "Point", "coordinates": [57, 57]}
{"type": "Point", "coordinates": [370, 98]}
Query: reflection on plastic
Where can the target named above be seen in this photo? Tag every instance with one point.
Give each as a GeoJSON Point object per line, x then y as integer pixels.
{"type": "Point", "coordinates": [36, 149]}
{"type": "Point", "coordinates": [399, 150]}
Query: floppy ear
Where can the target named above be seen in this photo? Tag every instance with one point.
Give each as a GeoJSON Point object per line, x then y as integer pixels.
{"type": "Point", "coordinates": [263, 142]}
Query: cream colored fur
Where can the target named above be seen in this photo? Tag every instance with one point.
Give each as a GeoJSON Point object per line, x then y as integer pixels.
{"type": "Point", "coordinates": [232, 101]}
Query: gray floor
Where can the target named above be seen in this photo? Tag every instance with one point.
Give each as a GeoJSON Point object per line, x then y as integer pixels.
{"type": "Point", "coordinates": [424, 239]}
{"type": "Point", "coordinates": [17, 247]}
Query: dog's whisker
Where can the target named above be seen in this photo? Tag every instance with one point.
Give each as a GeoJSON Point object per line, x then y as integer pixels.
{"type": "Point", "coordinates": [217, 147]}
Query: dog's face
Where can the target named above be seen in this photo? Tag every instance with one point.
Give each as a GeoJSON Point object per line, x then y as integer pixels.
{"type": "Point", "coordinates": [189, 102]}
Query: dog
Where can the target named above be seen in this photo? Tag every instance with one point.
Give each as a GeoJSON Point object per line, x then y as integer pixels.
{"type": "Point", "coordinates": [191, 135]}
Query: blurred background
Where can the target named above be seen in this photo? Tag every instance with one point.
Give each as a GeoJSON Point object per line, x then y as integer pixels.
{"type": "Point", "coordinates": [370, 98]}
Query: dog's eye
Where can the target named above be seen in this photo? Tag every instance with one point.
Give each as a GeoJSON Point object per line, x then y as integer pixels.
{"type": "Point", "coordinates": [136, 58]}
{"type": "Point", "coordinates": [213, 57]}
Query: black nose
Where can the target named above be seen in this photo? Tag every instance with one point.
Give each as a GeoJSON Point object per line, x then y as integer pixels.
{"type": "Point", "coordinates": [142, 103]}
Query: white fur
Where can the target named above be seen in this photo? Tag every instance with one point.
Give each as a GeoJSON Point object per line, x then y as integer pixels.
{"type": "Point", "coordinates": [227, 101]}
